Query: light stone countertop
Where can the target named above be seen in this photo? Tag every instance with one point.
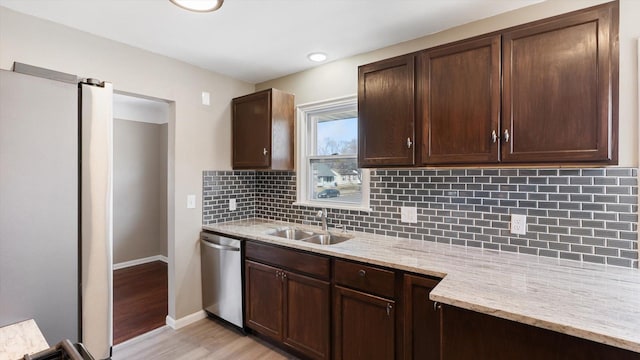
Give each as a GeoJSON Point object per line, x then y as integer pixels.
{"type": "Point", "coordinates": [596, 302]}
{"type": "Point", "coordinates": [19, 339]}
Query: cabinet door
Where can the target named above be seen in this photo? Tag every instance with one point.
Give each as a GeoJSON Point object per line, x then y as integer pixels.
{"type": "Point", "coordinates": [252, 131]}
{"type": "Point", "coordinates": [306, 311]}
{"type": "Point", "coordinates": [363, 326]}
{"type": "Point", "coordinates": [263, 286]}
{"type": "Point", "coordinates": [560, 89]}
{"type": "Point", "coordinates": [421, 320]}
{"type": "Point", "coordinates": [459, 102]}
{"type": "Point", "coordinates": [386, 112]}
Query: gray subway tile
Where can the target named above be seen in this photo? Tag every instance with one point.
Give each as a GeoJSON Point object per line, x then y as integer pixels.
{"type": "Point", "coordinates": [577, 193]}
{"type": "Point", "coordinates": [594, 259]}
{"type": "Point", "coordinates": [570, 256]}
{"type": "Point", "coordinates": [616, 261]}
{"type": "Point", "coordinates": [527, 250]}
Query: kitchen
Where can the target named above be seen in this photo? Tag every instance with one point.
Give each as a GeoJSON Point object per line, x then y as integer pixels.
{"type": "Point", "coordinates": [200, 137]}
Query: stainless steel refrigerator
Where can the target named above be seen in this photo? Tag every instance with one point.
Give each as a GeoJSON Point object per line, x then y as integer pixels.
{"type": "Point", "coordinates": [56, 206]}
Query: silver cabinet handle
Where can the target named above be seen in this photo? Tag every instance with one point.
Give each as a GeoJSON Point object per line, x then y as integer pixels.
{"type": "Point", "coordinates": [362, 273]}
{"type": "Point", "coordinates": [506, 135]}
{"type": "Point", "coordinates": [436, 306]}
{"type": "Point", "coordinates": [409, 143]}
{"type": "Point", "coordinates": [389, 307]}
{"type": "Point", "coordinates": [218, 246]}
{"type": "Point", "coordinates": [494, 136]}
{"type": "Point", "coordinates": [277, 273]}
{"type": "Point", "coordinates": [264, 151]}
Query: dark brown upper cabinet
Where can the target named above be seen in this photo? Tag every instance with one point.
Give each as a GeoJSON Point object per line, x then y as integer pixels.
{"type": "Point", "coordinates": [560, 89]}
{"type": "Point", "coordinates": [386, 112]}
{"type": "Point", "coordinates": [459, 102]}
{"type": "Point", "coordinates": [545, 92]}
{"type": "Point", "coordinates": [263, 130]}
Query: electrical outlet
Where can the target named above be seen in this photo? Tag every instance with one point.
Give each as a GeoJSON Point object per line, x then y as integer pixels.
{"type": "Point", "coordinates": [408, 214]}
{"type": "Point", "coordinates": [232, 204]}
{"type": "Point", "coordinates": [518, 224]}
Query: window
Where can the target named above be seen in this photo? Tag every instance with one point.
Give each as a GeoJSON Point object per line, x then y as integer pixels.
{"type": "Point", "coordinates": [328, 173]}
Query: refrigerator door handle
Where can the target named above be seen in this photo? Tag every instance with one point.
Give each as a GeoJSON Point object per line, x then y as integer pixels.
{"type": "Point", "coordinates": [218, 246]}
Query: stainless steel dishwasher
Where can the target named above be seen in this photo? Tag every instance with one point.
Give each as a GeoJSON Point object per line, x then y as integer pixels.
{"type": "Point", "coordinates": [222, 277]}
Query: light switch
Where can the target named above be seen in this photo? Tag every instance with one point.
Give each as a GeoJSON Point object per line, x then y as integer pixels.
{"type": "Point", "coordinates": [191, 201]}
{"type": "Point", "coordinates": [408, 214]}
{"type": "Point", "coordinates": [232, 204]}
{"type": "Point", "coordinates": [206, 98]}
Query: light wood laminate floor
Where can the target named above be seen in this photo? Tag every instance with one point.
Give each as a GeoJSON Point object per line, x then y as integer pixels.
{"type": "Point", "coordinates": [204, 339]}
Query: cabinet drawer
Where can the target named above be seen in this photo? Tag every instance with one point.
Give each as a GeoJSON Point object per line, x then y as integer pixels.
{"type": "Point", "coordinates": [298, 261]}
{"type": "Point", "coordinates": [365, 278]}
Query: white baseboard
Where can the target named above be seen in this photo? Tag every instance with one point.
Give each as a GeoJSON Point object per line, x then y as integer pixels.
{"type": "Point", "coordinates": [186, 320]}
{"type": "Point", "coordinates": [135, 262]}
{"type": "Point", "coordinates": [140, 338]}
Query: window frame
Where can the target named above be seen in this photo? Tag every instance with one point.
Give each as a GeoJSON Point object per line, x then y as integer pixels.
{"type": "Point", "coordinates": [306, 140]}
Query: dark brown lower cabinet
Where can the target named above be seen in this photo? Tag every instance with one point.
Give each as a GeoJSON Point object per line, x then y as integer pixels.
{"type": "Point", "coordinates": [306, 315]}
{"type": "Point", "coordinates": [289, 308]}
{"type": "Point", "coordinates": [421, 319]}
{"type": "Point", "coordinates": [364, 326]}
{"type": "Point", "coordinates": [288, 300]}
{"type": "Point", "coordinates": [470, 335]}
{"type": "Point", "coordinates": [264, 299]}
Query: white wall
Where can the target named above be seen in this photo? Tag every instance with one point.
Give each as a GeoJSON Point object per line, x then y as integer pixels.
{"type": "Point", "coordinates": [139, 190]}
{"type": "Point", "coordinates": [199, 137]}
{"type": "Point", "coordinates": [339, 78]}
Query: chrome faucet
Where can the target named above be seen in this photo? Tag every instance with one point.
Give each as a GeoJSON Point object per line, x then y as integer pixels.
{"type": "Point", "coordinates": [322, 214]}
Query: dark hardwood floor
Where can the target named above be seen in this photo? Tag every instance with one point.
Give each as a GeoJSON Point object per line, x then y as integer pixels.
{"type": "Point", "coordinates": [139, 300]}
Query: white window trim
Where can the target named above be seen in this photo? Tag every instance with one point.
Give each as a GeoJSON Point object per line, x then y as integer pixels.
{"type": "Point", "coordinates": [303, 143]}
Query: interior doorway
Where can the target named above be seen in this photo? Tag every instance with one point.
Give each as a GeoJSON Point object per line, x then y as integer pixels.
{"type": "Point", "coordinates": [140, 223]}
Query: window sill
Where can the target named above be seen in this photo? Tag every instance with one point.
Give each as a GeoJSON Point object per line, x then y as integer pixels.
{"type": "Point", "coordinates": [332, 205]}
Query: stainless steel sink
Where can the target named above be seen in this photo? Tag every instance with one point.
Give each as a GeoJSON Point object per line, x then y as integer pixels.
{"type": "Point", "coordinates": [309, 236]}
{"type": "Point", "coordinates": [327, 239]}
{"type": "Point", "coordinates": [292, 234]}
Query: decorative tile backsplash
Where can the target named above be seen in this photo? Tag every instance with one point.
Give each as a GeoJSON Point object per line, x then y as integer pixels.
{"type": "Point", "coordinates": [588, 215]}
{"type": "Point", "coordinates": [219, 187]}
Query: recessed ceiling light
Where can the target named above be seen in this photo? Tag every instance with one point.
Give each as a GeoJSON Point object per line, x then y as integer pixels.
{"type": "Point", "coordinates": [317, 56]}
{"type": "Point", "coordinates": [199, 5]}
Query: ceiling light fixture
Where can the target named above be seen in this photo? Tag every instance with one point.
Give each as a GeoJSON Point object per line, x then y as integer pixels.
{"type": "Point", "coordinates": [317, 57]}
{"type": "Point", "coordinates": [199, 5]}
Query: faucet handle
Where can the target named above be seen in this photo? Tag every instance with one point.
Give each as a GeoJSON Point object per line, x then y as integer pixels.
{"type": "Point", "coordinates": [322, 213]}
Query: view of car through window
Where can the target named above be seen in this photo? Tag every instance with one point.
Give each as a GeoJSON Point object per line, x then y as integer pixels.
{"type": "Point", "coordinates": [334, 169]}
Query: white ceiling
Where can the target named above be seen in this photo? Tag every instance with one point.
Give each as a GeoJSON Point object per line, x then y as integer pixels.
{"type": "Point", "coordinates": [259, 40]}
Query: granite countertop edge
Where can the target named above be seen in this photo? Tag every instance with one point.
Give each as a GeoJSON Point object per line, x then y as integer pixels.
{"type": "Point", "coordinates": [591, 301]}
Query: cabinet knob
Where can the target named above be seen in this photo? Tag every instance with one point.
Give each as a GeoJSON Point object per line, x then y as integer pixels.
{"type": "Point", "coordinates": [409, 143]}
{"type": "Point", "coordinates": [494, 136]}
{"type": "Point", "coordinates": [264, 151]}
{"type": "Point", "coordinates": [389, 307]}
{"type": "Point", "coordinates": [506, 135]}
{"type": "Point", "coordinates": [362, 273]}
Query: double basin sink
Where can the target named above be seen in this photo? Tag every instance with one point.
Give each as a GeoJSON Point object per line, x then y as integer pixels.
{"type": "Point", "coordinates": [322, 238]}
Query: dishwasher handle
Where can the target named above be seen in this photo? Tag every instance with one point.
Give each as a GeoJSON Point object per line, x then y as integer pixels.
{"type": "Point", "coordinates": [218, 246]}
